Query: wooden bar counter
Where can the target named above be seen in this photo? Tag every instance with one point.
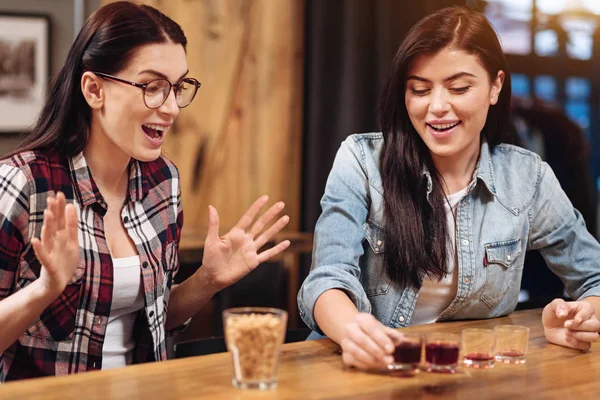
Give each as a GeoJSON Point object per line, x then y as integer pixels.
{"type": "Point", "coordinates": [314, 370]}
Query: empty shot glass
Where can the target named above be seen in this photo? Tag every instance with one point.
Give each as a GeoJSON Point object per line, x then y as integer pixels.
{"type": "Point", "coordinates": [407, 355]}
{"type": "Point", "coordinates": [441, 352]}
{"type": "Point", "coordinates": [511, 343]}
{"type": "Point", "coordinates": [478, 347]}
{"type": "Point", "coordinates": [254, 336]}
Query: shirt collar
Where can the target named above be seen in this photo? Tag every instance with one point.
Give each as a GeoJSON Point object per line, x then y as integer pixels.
{"type": "Point", "coordinates": [484, 171]}
{"type": "Point", "coordinates": [87, 192]}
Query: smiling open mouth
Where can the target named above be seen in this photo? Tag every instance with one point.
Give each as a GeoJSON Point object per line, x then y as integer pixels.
{"type": "Point", "coordinates": [153, 131]}
{"type": "Point", "coordinates": [443, 127]}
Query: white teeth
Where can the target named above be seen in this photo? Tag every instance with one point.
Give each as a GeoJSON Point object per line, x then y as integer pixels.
{"type": "Point", "coordinates": [156, 127]}
{"type": "Point", "coordinates": [444, 126]}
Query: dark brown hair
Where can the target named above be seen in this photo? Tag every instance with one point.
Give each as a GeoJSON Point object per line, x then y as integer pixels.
{"type": "Point", "coordinates": [106, 44]}
{"type": "Point", "coordinates": [416, 230]}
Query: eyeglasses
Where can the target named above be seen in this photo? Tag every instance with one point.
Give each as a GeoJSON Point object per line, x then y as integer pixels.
{"type": "Point", "coordinates": [157, 91]}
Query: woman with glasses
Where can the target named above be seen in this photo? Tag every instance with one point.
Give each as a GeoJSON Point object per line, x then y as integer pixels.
{"type": "Point", "coordinates": [90, 210]}
{"type": "Point", "coordinates": [430, 219]}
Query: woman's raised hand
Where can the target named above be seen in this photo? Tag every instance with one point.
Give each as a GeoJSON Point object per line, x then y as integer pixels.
{"type": "Point", "coordinates": [230, 257]}
{"type": "Point", "coordinates": [58, 247]}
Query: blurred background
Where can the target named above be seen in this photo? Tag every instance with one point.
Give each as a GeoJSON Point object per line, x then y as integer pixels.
{"type": "Point", "coordinates": [285, 81]}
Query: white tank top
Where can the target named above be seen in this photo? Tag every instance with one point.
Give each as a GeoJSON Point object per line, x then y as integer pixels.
{"type": "Point", "coordinates": [127, 300]}
{"type": "Point", "coordinates": [436, 296]}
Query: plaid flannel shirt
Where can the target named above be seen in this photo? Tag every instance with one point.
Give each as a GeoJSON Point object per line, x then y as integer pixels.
{"type": "Point", "coordinates": [69, 334]}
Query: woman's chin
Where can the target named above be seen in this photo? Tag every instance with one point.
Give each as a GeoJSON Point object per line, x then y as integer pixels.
{"type": "Point", "coordinates": [147, 155]}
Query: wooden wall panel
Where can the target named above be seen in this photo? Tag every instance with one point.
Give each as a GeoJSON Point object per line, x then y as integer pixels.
{"type": "Point", "coordinates": [241, 137]}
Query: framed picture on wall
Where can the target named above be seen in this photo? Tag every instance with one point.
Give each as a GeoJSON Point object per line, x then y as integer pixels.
{"type": "Point", "coordinates": [24, 69]}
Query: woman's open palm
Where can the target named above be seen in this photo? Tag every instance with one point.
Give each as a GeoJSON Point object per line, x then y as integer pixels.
{"type": "Point", "coordinates": [232, 256]}
{"type": "Point", "coordinates": [57, 249]}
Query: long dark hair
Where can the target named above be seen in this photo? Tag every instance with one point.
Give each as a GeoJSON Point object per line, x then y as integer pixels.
{"type": "Point", "coordinates": [416, 230]}
{"type": "Point", "coordinates": [106, 43]}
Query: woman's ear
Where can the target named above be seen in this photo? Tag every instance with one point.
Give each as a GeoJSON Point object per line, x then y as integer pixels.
{"type": "Point", "coordinates": [92, 89]}
{"type": "Point", "coordinates": [496, 87]}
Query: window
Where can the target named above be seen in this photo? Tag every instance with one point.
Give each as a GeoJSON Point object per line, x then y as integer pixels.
{"type": "Point", "coordinates": [553, 48]}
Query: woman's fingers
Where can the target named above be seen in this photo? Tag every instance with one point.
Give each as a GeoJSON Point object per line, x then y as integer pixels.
{"type": "Point", "coordinates": [590, 325]}
{"type": "Point", "coordinates": [583, 311]}
{"type": "Point", "coordinates": [349, 360]}
{"type": "Point", "coordinates": [394, 334]}
{"type": "Point", "coordinates": [582, 336]}
{"type": "Point", "coordinates": [213, 224]}
{"type": "Point", "coordinates": [48, 230]}
{"type": "Point", "coordinates": [71, 223]}
{"type": "Point", "coordinates": [366, 343]}
{"type": "Point", "coordinates": [273, 251]}
{"type": "Point", "coordinates": [61, 202]}
{"type": "Point", "coordinates": [369, 343]}
{"type": "Point", "coordinates": [40, 252]}
{"type": "Point", "coordinates": [251, 213]}
{"type": "Point", "coordinates": [359, 354]}
{"type": "Point", "coordinates": [560, 308]}
{"type": "Point", "coordinates": [577, 344]}
{"type": "Point", "coordinates": [272, 231]}
{"type": "Point", "coordinates": [376, 331]}
{"type": "Point", "coordinates": [266, 218]}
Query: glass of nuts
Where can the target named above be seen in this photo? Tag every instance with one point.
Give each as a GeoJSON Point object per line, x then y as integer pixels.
{"type": "Point", "coordinates": [254, 336]}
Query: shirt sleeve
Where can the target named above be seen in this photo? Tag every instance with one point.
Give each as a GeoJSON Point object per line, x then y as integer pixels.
{"type": "Point", "coordinates": [14, 218]}
{"type": "Point", "coordinates": [558, 231]}
{"type": "Point", "coordinates": [339, 235]}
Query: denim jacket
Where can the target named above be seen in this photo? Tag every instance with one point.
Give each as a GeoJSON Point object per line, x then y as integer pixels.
{"type": "Point", "coordinates": [514, 203]}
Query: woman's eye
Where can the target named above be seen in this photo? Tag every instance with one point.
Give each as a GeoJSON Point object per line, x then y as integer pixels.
{"type": "Point", "coordinates": [421, 92]}
{"type": "Point", "coordinates": [461, 89]}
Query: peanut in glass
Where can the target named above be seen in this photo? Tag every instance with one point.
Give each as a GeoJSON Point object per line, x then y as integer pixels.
{"type": "Point", "coordinates": [254, 336]}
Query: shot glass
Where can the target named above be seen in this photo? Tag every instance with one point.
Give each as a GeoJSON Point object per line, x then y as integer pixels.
{"type": "Point", "coordinates": [478, 347]}
{"type": "Point", "coordinates": [254, 336]}
{"type": "Point", "coordinates": [441, 352]}
{"type": "Point", "coordinates": [511, 343]}
{"type": "Point", "coordinates": [407, 355]}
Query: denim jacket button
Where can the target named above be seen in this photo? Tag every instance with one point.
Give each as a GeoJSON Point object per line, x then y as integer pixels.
{"type": "Point", "coordinates": [466, 280]}
{"type": "Point", "coordinates": [379, 243]}
{"type": "Point", "coordinates": [465, 242]}
{"type": "Point", "coordinates": [508, 257]}
{"type": "Point", "coordinates": [401, 319]}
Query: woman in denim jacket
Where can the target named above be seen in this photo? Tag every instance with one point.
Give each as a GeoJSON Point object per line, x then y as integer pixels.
{"type": "Point", "coordinates": [430, 219]}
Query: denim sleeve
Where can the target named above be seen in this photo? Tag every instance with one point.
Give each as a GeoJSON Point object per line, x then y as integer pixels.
{"type": "Point", "coordinates": [339, 234]}
{"type": "Point", "coordinates": [558, 231]}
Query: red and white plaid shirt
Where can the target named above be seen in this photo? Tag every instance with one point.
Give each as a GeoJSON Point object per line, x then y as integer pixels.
{"type": "Point", "coordinates": [69, 334]}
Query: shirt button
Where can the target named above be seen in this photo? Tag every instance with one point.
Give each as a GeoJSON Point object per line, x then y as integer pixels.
{"type": "Point", "coordinates": [99, 321]}
{"type": "Point", "coordinates": [401, 319]}
{"type": "Point", "coordinates": [379, 243]}
{"type": "Point", "coordinates": [145, 264]}
{"type": "Point", "coordinates": [126, 219]}
{"type": "Point", "coordinates": [508, 257]}
{"type": "Point", "coordinates": [465, 242]}
{"type": "Point", "coordinates": [151, 313]}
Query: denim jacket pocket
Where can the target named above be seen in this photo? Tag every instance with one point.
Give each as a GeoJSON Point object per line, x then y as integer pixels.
{"type": "Point", "coordinates": [500, 270]}
{"type": "Point", "coordinates": [374, 277]}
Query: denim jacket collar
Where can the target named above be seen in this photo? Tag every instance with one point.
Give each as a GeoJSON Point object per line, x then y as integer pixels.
{"type": "Point", "coordinates": [484, 171]}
